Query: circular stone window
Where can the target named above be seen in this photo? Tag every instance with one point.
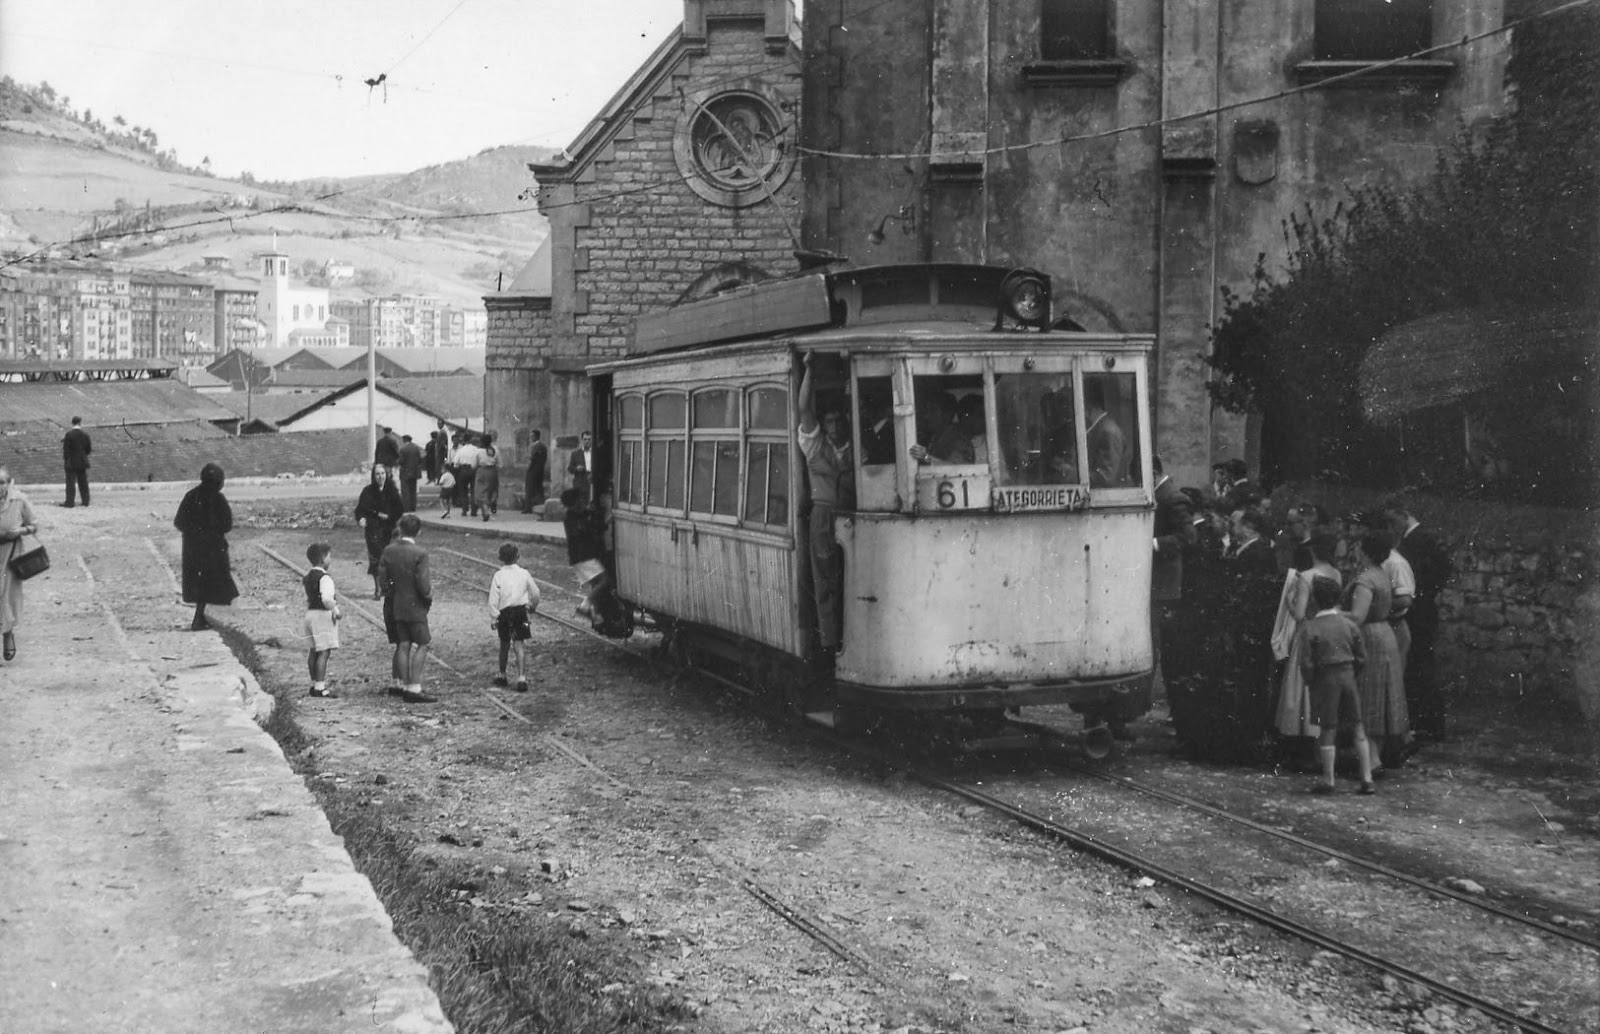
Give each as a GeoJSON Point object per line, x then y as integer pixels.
{"type": "Point", "coordinates": [733, 147]}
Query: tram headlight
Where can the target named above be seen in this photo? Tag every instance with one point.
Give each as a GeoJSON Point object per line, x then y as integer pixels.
{"type": "Point", "coordinates": [1025, 295]}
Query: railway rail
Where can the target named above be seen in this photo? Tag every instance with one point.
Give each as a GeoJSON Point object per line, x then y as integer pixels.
{"type": "Point", "coordinates": [1088, 842]}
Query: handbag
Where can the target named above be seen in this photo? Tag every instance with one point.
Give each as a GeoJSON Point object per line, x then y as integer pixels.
{"type": "Point", "coordinates": [25, 563]}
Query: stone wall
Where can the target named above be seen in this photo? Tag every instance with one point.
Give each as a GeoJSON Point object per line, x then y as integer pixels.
{"type": "Point", "coordinates": [1517, 617]}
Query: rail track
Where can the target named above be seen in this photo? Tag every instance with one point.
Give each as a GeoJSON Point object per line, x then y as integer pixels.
{"type": "Point", "coordinates": [1095, 844]}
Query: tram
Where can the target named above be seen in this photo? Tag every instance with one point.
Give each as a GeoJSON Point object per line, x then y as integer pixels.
{"type": "Point", "coordinates": [997, 553]}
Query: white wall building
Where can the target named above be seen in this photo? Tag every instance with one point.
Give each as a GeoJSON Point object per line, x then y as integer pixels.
{"type": "Point", "coordinates": [285, 307]}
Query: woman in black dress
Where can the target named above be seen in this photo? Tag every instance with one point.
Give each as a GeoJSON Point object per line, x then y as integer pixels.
{"type": "Point", "coordinates": [205, 519]}
{"type": "Point", "coordinates": [378, 511]}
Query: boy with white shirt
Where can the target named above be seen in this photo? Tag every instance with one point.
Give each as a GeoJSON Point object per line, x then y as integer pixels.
{"type": "Point", "coordinates": [322, 618]}
{"type": "Point", "coordinates": [513, 598]}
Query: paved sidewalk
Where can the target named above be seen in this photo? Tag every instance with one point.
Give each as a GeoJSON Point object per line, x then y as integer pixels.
{"type": "Point", "coordinates": [161, 867]}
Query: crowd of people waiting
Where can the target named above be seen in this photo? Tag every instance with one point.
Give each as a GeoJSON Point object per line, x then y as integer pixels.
{"type": "Point", "coordinates": [1246, 669]}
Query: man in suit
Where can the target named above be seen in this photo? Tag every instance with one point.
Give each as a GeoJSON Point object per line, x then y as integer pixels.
{"type": "Point", "coordinates": [387, 452]}
{"type": "Point", "coordinates": [407, 595]}
{"type": "Point", "coordinates": [410, 472]}
{"type": "Point", "coordinates": [1109, 457]}
{"type": "Point", "coordinates": [533, 481]}
{"type": "Point", "coordinates": [1254, 588]}
{"type": "Point", "coordinates": [581, 465]}
{"type": "Point", "coordinates": [1174, 535]}
{"type": "Point", "coordinates": [1431, 570]}
{"type": "Point", "coordinates": [75, 449]}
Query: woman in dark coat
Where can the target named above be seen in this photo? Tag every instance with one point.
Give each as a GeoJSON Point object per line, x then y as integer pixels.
{"type": "Point", "coordinates": [205, 519]}
{"type": "Point", "coordinates": [378, 511]}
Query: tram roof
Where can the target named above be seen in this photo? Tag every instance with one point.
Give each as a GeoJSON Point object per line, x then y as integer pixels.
{"type": "Point", "coordinates": [927, 300]}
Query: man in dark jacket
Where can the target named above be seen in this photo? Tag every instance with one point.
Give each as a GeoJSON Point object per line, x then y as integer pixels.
{"type": "Point", "coordinates": [410, 473]}
{"type": "Point", "coordinates": [408, 594]}
{"type": "Point", "coordinates": [387, 452]}
{"type": "Point", "coordinates": [1432, 569]}
{"type": "Point", "coordinates": [533, 482]}
{"type": "Point", "coordinates": [75, 449]}
{"type": "Point", "coordinates": [1174, 534]}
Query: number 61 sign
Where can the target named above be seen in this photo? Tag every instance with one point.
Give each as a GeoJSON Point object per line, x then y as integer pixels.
{"type": "Point", "coordinates": [945, 491]}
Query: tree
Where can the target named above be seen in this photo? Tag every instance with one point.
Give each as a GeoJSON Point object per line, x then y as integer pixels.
{"type": "Point", "coordinates": [119, 121]}
{"type": "Point", "coordinates": [1507, 221]}
{"type": "Point", "coordinates": [48, 92]}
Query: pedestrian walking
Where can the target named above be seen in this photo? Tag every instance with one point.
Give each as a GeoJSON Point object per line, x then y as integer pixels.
{"type": "Point", "coordinates": [204, 519]}
{"type": "Point", "coordinates": [513, 599]}
{"type": "Point", "coordinates": [408, 594]}
{"type": "Point", "coordinates": [322, 617]}
{"type": "Point", "coordinates": [16, 520]}
{"type": "Point", "coordinates": [487, 474]}
{"type": "Point", "coordinates": [386, 453]}
{"type": "Point", "coordinates": [75, 449]}
{"type": "Point", "coordinates": [447, 491]}
{"type": "Point", "coordinates": [378, 509]}
{"type": "Point", "coordinates": [533, 480]}
{"type": "Point", "coordinates": [410, 472]}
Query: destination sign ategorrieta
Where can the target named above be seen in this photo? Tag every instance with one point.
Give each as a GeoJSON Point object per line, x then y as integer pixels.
{"type": "Point", "coordinates": [1016, 499]}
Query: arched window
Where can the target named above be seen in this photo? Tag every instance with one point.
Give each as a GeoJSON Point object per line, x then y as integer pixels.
{"type": "Point", "coordinates": [766, 465]}
{"type": "Point", "coordinates": [630, 450]}
{"type": "Point", "coordinates": [666, 434]}
{"type": "Point", "coordinates": [714, 453]}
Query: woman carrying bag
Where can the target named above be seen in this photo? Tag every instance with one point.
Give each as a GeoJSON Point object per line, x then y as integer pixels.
{"type": "Point", "coordinates": [16, 522]}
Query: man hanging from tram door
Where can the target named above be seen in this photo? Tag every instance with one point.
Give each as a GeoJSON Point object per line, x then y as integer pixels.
{"type": "Point", "coordinates": [830, 468]}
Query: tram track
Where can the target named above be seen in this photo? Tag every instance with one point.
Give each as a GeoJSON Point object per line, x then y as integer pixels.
{"type": "Point", "coordinates": [1088, 842]}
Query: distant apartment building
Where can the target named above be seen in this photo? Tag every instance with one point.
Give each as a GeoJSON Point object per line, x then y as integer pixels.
{"type": "Point", "coordinates": [235, 322]}
{"type": "Point", "coordinates": [335, 334]}
{"type": "Point", "coordinates": [411, 321]}
{"type": "Point", "coordinates": [174, 317]}
{"type": "Point", "coordinates": [284, 306]}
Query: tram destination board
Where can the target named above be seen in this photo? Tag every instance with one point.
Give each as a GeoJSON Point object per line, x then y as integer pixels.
{"type": "Point", "coordinates": [1021, 498]}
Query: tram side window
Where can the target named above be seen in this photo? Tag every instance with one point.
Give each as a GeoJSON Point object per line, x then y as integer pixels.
{"type": "Point", "coordinates": [714, 455]}
{"type": "Point", "coordinates": [1111, 416]}
{"type": "Point", "coordinates": [950, 420]}
{"type": "Point", "coordinates": [630, 450]}
{"type": "Point", "coordinates": [875, 420]}
{"type": "Point", "coordinates": [1038, 435]}
{"type": "Point", "coordinates": [766, 484]}
{"type": "Point", "coordinates": [665, 484]}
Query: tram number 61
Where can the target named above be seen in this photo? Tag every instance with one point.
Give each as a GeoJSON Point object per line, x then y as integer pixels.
{"type": "Point", "coordinates": [947, 495]}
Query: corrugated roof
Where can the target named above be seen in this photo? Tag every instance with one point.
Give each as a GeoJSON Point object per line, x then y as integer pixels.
{"type": "Point", "coordinates": [65, 366]}
{"type": "Point", "coordinates": [418, 361]}
{"type": "Point", "coordinates": [447, 398]}
{"type": "Point", "coordinates": [106, 403]}
{"type": "Point", "coordinates": [1449, 356]}
{"type": "Point", "coordinates": [272, 407]}
{"type": "Point", "coordinates": [35, 458]}
{"type": "Point", "coordinates": [329, 379]}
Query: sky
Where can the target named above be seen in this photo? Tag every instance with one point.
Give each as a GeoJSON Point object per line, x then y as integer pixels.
{"type": "Point", "coordinates": [276, 88]}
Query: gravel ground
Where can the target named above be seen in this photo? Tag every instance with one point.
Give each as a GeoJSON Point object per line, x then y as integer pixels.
{"type": "Point", "coordinates": [655, 814]}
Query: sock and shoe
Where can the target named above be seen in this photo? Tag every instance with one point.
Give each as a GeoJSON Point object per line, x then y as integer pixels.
{"type": "Point", "coordinates": [320, 689]}
{"type": "Point", "coordinates": [522, 685]}
{"type": "Point", "coordinates": [414, 695]}
{"type": "Point", "coordinates": [500, 679]}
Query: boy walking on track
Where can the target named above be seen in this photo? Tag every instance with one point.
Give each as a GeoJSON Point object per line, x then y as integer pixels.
{"type": "Point", "coordinates": [322, 618]}
{"type": "Point", "coordinates": [513, 599]}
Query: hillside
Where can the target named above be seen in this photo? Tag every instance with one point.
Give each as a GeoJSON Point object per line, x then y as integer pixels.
{"type": "Point", "coordinates": [65, 177]}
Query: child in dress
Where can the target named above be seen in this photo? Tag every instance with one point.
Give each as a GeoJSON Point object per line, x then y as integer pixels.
{"type": "Point", "coordinates": [1331, 658]}
{"type": "Point", "coordinates": [322, 617]}
{"type": "Point", "coordinates": [513, 598]}
{"type": "Point", "coordinates": [447, 490]}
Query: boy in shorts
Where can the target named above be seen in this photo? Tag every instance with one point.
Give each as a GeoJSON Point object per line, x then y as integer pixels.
{"type": "Point", "coordinates": [322, 617]}
{"type": "Point", "coordinates": [513, 598]}
{"type": "Point", "coordinates": [1331, 659]}
{"type": "Point", "coordinates": [447, 490]}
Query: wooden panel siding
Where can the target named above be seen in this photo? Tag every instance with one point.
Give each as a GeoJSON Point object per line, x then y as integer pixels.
{"type": "Point", "coordinates": [722, 578]}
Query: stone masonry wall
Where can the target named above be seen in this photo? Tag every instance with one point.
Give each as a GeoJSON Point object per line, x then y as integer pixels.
{"type": "Point", "coordinates": [1513, 615]}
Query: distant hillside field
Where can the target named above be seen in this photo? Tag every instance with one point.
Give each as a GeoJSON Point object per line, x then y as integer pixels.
{"type": "Point", "coordinates": [62, 179]}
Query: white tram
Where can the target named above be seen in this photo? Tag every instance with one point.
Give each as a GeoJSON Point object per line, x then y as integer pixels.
{"type": "Point", "coordinates": [1010, 566]}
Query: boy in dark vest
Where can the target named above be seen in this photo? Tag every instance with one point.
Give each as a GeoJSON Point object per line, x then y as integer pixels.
{"type": "Point", "coordinates": [322, 617]}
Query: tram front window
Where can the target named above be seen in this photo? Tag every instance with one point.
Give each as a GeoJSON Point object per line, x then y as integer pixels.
{"type": "Point", "coordinates": [875, 420]}
{"type": "Point", "coordinates": [1113, 430]}
{"type": "Point", "coordinates": [950, 420]}
{"type": "Point", "coordinates": [1038, 435]}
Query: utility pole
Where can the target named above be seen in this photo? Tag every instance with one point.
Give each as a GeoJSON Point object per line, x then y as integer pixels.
{"type": "Point", "coordinates": [372, 396]}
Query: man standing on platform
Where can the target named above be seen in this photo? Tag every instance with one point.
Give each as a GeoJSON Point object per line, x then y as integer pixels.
{"type": "Point", "coordinates": [581, 465]}
{"type": "Point", "coordinates": [75, 449]}
{"type": "Point", "coordinates": [410, 473]}
{"type": "Point", "coordinates": [533, 482]}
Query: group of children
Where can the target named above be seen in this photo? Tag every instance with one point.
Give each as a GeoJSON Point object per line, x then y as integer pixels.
{"type": "Point", "coordinates": [513, 600]}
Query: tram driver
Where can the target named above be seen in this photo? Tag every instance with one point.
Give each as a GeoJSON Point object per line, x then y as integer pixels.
{"type": "Point", "coordinates": [830, 468]}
